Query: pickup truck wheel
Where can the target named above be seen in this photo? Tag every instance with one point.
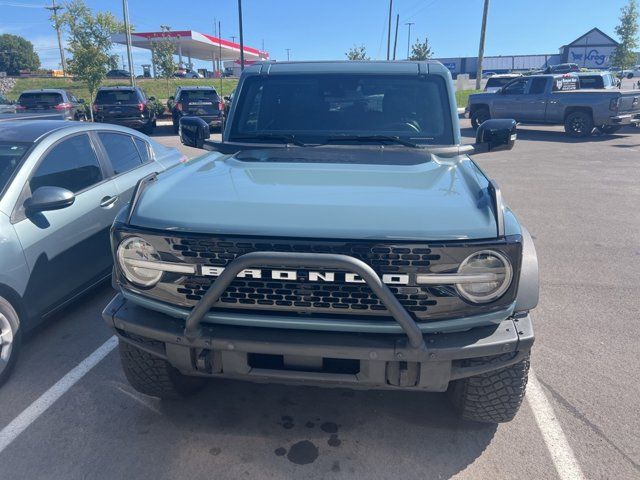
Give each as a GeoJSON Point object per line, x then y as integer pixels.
{"type": "Point", "coordinates": [629, 75]}
{"type": "Point", "coordinates": [492, 397]}
{"type": "Point", "coordinates": [10, 336]}
{"type": "Point", "coordinates": [609, 129]}
{"type": "Point", "coordinates": [578, 124]}
{"type": "Point", "coordinates": [155, 376]}
{"type": "Point", "coordinates": [479, 116]}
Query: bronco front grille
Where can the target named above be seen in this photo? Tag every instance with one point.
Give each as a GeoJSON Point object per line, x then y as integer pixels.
{"type": "Point", "coordinates": [302, 296]}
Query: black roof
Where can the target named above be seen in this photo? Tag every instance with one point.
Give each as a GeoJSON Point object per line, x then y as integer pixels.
{"type": "Point", "coordinates": [30, 130]}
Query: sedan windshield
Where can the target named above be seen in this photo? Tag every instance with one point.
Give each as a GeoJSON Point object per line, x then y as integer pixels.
{"type": "Point", "coordinates": [11, 155]}
{"type": "Point", "coordinates": [316, 108]}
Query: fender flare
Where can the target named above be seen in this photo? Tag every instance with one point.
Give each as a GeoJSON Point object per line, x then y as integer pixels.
{"type": "Point", "coordinates": [529, 282]}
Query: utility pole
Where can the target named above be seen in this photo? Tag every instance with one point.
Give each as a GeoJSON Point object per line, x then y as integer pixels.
{"type": "Point", "coordinates": [233, 38]}
{"type": "Point", "coordinates": [483, 30]}
{"type": "Point", "coordinates": [56, 24]}
{"type": "Point", "coordinates": [241, 35]}
{"type": "Point", "coordinates": [220, 64]}
{"type": "Point", "coordinates": [395, 41]}
{"type": "Point", "coordinates": [125, 14]}
{"type": "Point", "coordinates": [389, 30]}
{"type": "Point", "coordinates": [288, 50]}
{"type": "Point", "coordinates": [409, 37]}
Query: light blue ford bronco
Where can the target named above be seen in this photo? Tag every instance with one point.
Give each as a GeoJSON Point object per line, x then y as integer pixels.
{"type": "Point", "coordinates": [338, 235]}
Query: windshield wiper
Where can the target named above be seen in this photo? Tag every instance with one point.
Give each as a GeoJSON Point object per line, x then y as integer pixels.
{"type": "Point", "coordinates": [272, 136]}
{"type": "Point", "coordinates": [373, 138]}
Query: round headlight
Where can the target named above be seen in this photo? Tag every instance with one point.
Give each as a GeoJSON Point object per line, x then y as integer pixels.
{"type": "Point", "coordinates": [485, 261]}
{"type": "Point", "coordinates": [133, 253]}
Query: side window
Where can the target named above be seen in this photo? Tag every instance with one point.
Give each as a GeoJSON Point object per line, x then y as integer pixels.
{"type": "Point", "coordinates": [71, 164]}
{"type": "Point", "coordinates": [537, 86]}
{"type": "Point", "coordinates": [516, 87]}
{"type": "Point", "coordinates": [143, 149]}
{"type": "Point", "coordinates": [121, 151]}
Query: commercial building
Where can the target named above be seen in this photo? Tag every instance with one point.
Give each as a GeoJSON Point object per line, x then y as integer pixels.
{"type": "Point", "coordinates": [591, 50]}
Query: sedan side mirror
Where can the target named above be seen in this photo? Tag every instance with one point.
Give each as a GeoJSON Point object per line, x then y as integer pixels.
{"type": "Point", "coordinates": [193, 131]}
{"type": "Point", "coordinates": [49, 198]}
{"type": "Point", "coordinates": [495, 135]}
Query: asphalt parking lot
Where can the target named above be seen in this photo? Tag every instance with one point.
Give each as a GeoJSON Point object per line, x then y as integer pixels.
{"type": "Point", "coordinates": [579, 199]}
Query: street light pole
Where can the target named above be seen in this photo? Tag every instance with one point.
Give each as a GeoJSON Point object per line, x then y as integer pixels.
{"type": "Point", "coordinates": [409, 37]}
{"type": "Point", "coordinates": [389, 31]}
{"type": "Point", "coordinates": [127, 29]}
{"type": "Point", "coordinates": [481, 48]}
{"type": "Point", "coordinates": [241, 36]}
{"type": "Point", "coordinates": [56, 24]}
{"type": "Point", "coordinates": [288, 50]}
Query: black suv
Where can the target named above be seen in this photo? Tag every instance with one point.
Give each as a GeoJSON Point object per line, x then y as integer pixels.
{"type": "Point", "coordinates": [52, 101]}
{"type": "Point", "coordinates": [203, 102]}
{"type": "Point", "coordinates": [118, 74]}
{"type": "Point", "coordinates": [127, 106]}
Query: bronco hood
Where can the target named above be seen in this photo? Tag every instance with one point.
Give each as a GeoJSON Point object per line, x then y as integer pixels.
{"type": "Point", "coordinates": [323, 192]}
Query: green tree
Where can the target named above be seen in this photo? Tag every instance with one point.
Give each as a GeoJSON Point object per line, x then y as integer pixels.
{"type": "Point", "coordinates": [163, 61]}
{"type": "Point", "coordinates": [421, 50]}
{"type": "Point", "coordinates": [89, 40]}
{"type": "Point", "coordinates": [357, 53]}
{"type": "Point", "coordinates": [16, 53]}
{"type": "Point", "coordinates": [624, 55]}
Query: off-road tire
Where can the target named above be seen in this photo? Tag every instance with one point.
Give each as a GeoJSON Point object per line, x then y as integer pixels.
{"type": "Point", "coordinates": [493, 397]}
{"type": "Point", "coordinates": [479, 116]}
{"type": "Point", "coordinates": [10, 319]}
{"type": "Point", "coordinates": [148, 129]}
{"type": "Point", "coordinates": [609, 129]}
{"type": "Point", "coordinates": [155, 376]}
{"type": "Point", "coordinates": [578, 124]}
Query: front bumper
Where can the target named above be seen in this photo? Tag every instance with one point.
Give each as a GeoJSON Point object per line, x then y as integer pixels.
{"type": "Point", "coordinates": [277, 355]}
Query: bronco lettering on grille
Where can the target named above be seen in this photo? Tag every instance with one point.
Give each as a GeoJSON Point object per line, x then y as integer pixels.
{"type": "Point", "coordinates": [310, 276]}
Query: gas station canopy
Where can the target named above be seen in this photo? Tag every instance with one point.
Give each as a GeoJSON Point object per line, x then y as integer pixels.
{"type": "Point", "coordinates": [194, 45]}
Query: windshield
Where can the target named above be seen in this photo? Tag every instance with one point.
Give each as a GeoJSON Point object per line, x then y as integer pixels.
{"type": "Point", "coordinates": [40, 99]}
{"type": "Point", "coordinates": [115, 97]}
{"type": "Point", "coordinates": [193, 96]}
{"type": "Point", "coordinates": [314, 108]}
{"type": "Point", "coordinates": [498, 81]}
{"type": "Point", "coordinates": [11, 155]}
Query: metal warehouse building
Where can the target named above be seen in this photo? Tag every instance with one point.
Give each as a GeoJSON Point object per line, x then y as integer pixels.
{"type": "Point", "coordinates": [591, 50]}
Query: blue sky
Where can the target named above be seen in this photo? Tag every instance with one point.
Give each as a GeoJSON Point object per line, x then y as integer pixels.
{"type": "Point", "coordinates": [314, 29]}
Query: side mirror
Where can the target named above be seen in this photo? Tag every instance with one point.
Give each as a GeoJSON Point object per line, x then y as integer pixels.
{"type": "Point", "coordinates": [227, 98]}
{"type": "Point", "coordinates": [495, 135]}
{"type": "Point", "coordinates": [152, 99]}
{"type": "Point", "coordinates": [172, 97]}
{"type": "Point", "coordinates": [49, 198]}
{"type": "Point", "coordinates": [193, 131]}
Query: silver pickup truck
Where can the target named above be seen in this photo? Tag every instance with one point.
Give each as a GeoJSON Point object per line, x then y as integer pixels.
{"type": "Point", "coordinates": [556, 100]}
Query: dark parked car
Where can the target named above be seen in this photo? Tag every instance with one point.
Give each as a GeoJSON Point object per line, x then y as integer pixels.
{"type": "Point", "coordinates": [52, 101]}
{"type": "Point", "coordinates": [562, 68]}
{"type": "Point", "coordinates": [203, 102]}
{"type": "Point", "coordinates": [118, 74]}
{"type": "Point", "coordinates": [61, 186]}
{"type": "Point", "coordinates": [128, 106]}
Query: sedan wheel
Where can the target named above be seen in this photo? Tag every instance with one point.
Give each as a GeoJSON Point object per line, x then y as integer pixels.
{"type": "Point", "coordinates": [9, 339]}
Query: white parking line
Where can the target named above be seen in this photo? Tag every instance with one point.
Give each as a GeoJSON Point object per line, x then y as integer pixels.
{"type": "Point", "coordinates": [30, 414]}
{"type": "Point", "coordinates": [561, 453]}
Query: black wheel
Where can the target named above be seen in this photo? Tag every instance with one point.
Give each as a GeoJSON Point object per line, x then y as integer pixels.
{"type": "Point", "coordinates": [493, 397]}
{"type": "Point", "coordinates": [148, 129]}
{"type": "Point", "coordinates": [629, 75]}
{"type": "Point", "coordinates": [578, 124]}
{"type": "Point", "coordinates": [479, 116]}
{"type": "Point", "coordinates": [154, 376]}
{"type": "Point", "coordinates": [609, 129]}
{"type": "Point", "coordinates": [10, 336]}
